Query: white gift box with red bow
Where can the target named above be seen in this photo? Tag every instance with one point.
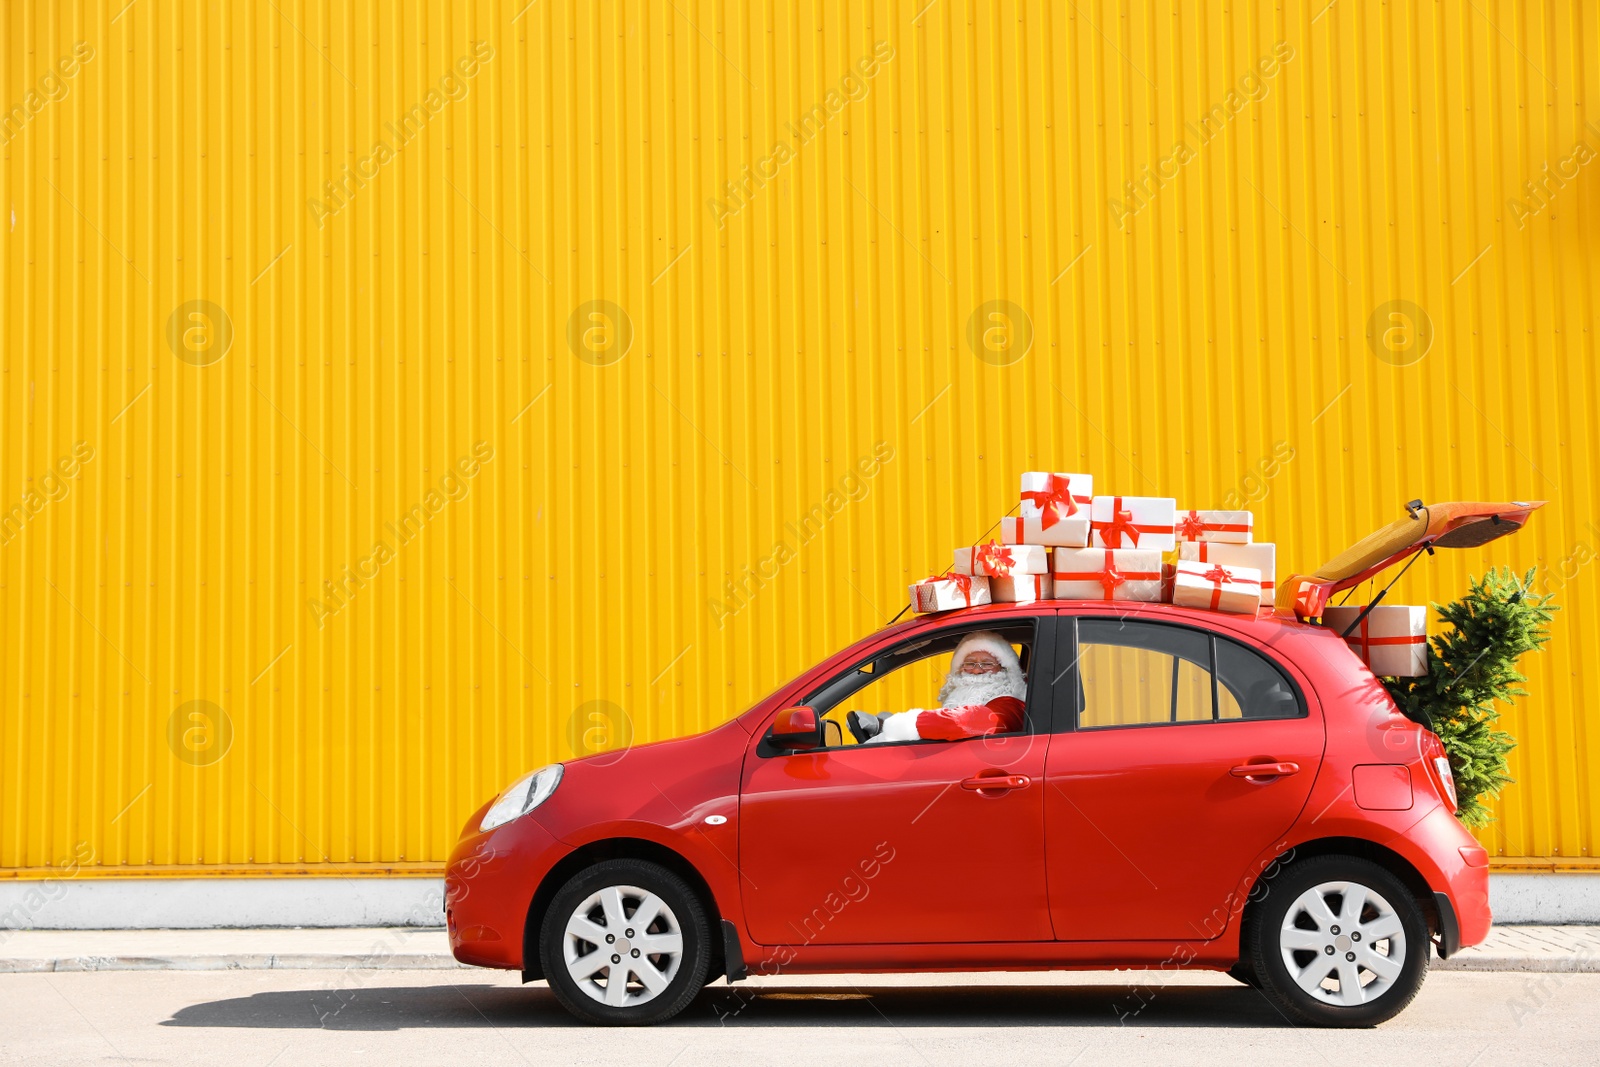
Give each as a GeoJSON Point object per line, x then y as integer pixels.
{"type": "Point", "coordinates": [1030, 530]}
{"type": "Point", "coordinates": [1215, 587]}
{"type": "Point", "coordinates": [1107, 574]}
{"type": "Point", "coordinates": [1055, 496]}
{"type": "Point", "coordinates": [1021, 589]}
{"type": "Point", "coordinates": [1145, 522]}
{"type": "Point", "coordinates": [1392, 639]}
{"type": "Point", "coordinates": [1260, 555]}
{"type": "Point", "coordinates": [995, 560]}
{"type": "Point", "coordinates": [949, 592]}
{"type": "Point", "coordinates": [1224, 527]}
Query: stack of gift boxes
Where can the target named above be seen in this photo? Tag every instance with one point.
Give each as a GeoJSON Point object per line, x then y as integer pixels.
{"type": "Point", "coordinates": [1068, 544]}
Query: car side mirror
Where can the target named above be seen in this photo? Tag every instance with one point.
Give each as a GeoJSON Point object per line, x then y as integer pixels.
{"type": "Point", "coordinates": [796, 729]}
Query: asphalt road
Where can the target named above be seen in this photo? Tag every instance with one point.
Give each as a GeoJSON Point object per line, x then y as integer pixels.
{"type": "Point", "coordinates": [473, 1017]}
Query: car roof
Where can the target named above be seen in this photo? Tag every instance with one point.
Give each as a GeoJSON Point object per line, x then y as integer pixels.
{"type": "Point", "coordinates": [1265, 621]}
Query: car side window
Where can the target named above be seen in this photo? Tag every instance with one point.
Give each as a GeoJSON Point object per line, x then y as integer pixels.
{"type": "Point", "coordinates": [1141, 674]}
{"type": "Point", "coordinates": [906, 677]}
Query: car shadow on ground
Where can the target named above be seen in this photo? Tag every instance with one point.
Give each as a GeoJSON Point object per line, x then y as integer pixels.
{"type": "Point", "coordinates": [468, 1006]}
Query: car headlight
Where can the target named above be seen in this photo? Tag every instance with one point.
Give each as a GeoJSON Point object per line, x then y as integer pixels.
{"type": "Point", "coordinates": [522, 796]}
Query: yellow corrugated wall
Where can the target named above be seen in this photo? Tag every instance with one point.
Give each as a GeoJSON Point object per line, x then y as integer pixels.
{"type": "Point", "coordinates": [224, 380]}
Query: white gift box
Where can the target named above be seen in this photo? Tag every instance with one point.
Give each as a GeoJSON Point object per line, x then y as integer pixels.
{"type": "Point", "coordinates": [1392, 639]}
{"type": "Point", "coordinates": [1133, 522]}
{"type": "Point", "coordinates": [1021, 589]}
{"type": "Point", "coordinates": [1063, 496]}
{"type": "Point", "coordinates": [995, 560]}
{"type": "Point", "coordinates": [1107, 574]}
{"type": "Point", "coordinates": [1216, 587]}
{"type": "Point", "coordinates": [1260, 555]}
{"type": "Point", "coordinates": [1029, 530]}
{"type": "Point", "coordinates": [949, 592]}
{"type": "Point", "coordinates": [1223, 527]}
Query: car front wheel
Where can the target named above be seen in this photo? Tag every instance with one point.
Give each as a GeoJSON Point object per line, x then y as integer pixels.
{"type": "Point", "coordinates": [625, 942]}
{"type": "Point", "coordinates": [1338, 941]}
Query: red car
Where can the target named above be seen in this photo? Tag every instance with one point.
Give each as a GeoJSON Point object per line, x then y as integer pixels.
{"type": "Point", "coordinates": [1189, 789]}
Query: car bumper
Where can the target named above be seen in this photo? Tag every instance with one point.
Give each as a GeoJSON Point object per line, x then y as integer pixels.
{"type": "Point", "coordinates": [488, 886]}
{"type": "Point", "coordinates": [1461, 878]}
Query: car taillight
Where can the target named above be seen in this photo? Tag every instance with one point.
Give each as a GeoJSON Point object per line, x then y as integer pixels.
{"type": "Point", "coordinates": [1446, 779]}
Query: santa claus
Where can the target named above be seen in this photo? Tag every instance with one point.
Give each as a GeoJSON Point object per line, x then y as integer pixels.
{"type": "Point", "coordinates": [983, 694]}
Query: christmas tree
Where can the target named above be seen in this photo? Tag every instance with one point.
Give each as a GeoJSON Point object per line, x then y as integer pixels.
{"type": "Point", "coordinates": [1472, 667]}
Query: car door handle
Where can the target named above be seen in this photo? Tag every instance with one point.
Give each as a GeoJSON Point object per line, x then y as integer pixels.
{"type": "Point", "coordinates": [1264, 770]}
{"type": "Point", "coordinates": [997, 781]}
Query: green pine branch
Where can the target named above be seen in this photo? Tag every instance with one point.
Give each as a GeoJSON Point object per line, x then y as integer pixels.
{"type": "Point", "coordinates": [1472, 668]}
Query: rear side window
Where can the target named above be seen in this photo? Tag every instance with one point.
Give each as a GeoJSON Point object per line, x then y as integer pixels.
{"type": "Point", "coordinates": [1142, 674]}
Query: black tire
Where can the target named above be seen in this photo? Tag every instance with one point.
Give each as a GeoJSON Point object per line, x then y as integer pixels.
{"type": "Point", "coordinates": [1263, 932]}
{"type": "Point", "coordinates": [685, 908]}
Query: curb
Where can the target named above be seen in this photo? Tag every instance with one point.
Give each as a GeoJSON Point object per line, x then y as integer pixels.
{"type": "Point", "coordinates": [1530, 964]}
{"type": "Point", "coordinates": [247, 962]}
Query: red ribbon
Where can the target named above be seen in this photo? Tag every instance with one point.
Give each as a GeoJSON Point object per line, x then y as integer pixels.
{"type": "Point", "coordinates": [1205, 557]}
{"type": "Point", "coordinates": [1191, 527]}
{"type": "Point", "coordinates": [1109, 578]}
{"type": "Point", "coordinates": [1055, 502]}
{"type": "Point", "coordinates": [1121, 525]}
{"type": "Point", "coordinates": [1364, 641]}
{"type": "Point", "coordinates": [993, 559]}
{"type": "Point", "coordinates": [1217, 576]}
{"type": "Point", "coordinates": [963, 582]}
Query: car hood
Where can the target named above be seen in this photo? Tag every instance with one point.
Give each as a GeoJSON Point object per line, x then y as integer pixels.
{"type": "Point", "coordinates": [663, 783]}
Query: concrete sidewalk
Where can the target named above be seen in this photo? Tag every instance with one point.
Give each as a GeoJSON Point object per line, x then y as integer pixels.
{"type": "Point", "coordinates": [1509, 948]}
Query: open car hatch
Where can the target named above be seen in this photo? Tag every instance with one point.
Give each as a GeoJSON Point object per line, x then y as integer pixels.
{"type": "Point", "coordinates": [1457, 524]}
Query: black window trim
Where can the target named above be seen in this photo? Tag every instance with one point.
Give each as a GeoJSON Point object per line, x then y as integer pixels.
{"type": "Point", "coordinates": [1064, 710]}
{"type": "Point", "coordinates": [1038, 709]}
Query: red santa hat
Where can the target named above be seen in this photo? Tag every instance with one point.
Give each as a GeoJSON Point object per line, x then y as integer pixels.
{"type": "Point", "coordinates": [990, 642]}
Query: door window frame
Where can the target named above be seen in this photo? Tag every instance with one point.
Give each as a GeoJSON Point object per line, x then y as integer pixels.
{"type": "Point", "coordinates": [1038, 708]}
{"type": "Point", "coordinates": [1064, 707]}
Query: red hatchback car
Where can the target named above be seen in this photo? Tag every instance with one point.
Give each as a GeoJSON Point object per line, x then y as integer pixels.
{"type": "Point", "coordinates": [1190, 789]}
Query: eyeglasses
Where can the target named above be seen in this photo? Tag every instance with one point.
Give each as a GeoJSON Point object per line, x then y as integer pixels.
{"type": "Point", "coordinates": [980, 664]}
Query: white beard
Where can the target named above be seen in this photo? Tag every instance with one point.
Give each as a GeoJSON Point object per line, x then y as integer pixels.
{"type": "Point", "coordinates": [960, 690]}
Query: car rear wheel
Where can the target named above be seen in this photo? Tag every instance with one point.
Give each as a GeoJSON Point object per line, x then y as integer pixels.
{"type": "Point", "coordinates": [1338, 941]}
{"type": "Point", "coordinates": [625, 942]}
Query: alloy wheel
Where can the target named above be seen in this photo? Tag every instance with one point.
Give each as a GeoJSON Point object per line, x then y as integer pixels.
{"type": "Point", "coordinates": [623, 946]}
{"type": "Point", "coordinates": [1343, 943]}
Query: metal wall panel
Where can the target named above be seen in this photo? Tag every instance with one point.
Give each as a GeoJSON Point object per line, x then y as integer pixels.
{"type": "Point", "coordinates": [795, 398]}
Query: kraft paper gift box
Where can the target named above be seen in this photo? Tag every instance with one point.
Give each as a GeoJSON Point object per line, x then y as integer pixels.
{"type": "Point", "coordinates": [1261, 555]}
{"type": "Point", "coordinates": [1107, 574]}
{"type": "Point", "coordinates": [1392, 639]}
{"type": "Point", "coordinates": [1021, 589]}
{"type": "Point", "coordinates": [1215, 587]}
{"type": "Point", "coordinates": [995, 560]}
{"type": "Point", "coordinates": [1054, 497]}
{"type": "Point", "coordinates": [1133, 522]}
{"type": "Point", "coordinates": [948, 592]}
{"type": "Point", "coordinates": [1030, 530]}
{"type": "Point", "coordinates": [1225, 527]}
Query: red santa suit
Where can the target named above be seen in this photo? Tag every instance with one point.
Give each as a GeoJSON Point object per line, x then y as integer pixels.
{"type": "Point", "coordinates": [972, 705]}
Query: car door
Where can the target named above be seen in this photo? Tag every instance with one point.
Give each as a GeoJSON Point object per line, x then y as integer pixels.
{"type": "Point", "coordinates": [897, 843]}
{"type": "Point", "coordinates": [1151, 822]}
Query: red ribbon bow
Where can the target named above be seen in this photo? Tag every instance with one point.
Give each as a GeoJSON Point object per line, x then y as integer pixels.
{"type": "Point", "coordinates": [993, 559]}
{"type": "Point", "coordinates": [1191, 526]}
{"type": "Point", "coordinates": [1111, 578]}
{"type": "Point", "coordinates": [1217, 575]}
{"type": "Point", "coordinates": [1120, 526]}
{"type": "Point", "coordinates": [1055, 502]}
{"type": "Point", "coordinates": [963, 583]}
